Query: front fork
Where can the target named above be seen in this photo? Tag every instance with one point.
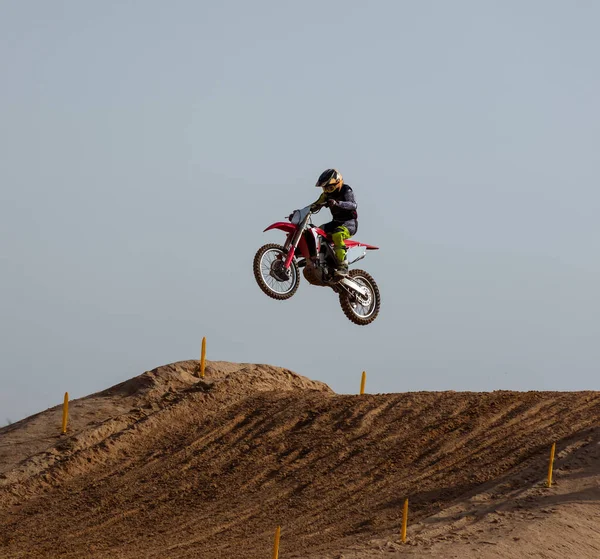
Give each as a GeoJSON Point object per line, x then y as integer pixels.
{"type": "Point", "coordinates": [291, 244]}
{"type": "Point", "coordinates": [289, 257]}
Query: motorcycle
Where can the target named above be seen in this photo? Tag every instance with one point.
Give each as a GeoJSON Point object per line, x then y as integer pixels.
{"type": "Point", "coordinates": [277, 267]}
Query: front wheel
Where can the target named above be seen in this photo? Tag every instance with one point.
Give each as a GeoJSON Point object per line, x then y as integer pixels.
{"type": "Point", "coordinates": [271, 275]}
{"type": "Point", "coordinates": [361, 310]}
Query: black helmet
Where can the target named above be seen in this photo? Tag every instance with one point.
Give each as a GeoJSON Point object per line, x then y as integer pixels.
{"type": "Point", "coordinates": [330, 180]}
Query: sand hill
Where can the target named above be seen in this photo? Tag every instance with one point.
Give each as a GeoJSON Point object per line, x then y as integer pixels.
{"type": "Point", "coordinates": [167, 465]}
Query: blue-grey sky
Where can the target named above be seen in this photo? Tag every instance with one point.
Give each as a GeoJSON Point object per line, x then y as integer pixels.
{"type": "Point", "coordinates": [146, 145]}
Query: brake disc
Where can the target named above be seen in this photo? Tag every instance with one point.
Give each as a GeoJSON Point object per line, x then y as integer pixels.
{"type": "Point", "coordinates": [279, 272]}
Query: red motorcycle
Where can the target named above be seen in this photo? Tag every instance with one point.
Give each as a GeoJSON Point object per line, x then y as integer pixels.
{"type": "Point", "coordinates": [277, 267]}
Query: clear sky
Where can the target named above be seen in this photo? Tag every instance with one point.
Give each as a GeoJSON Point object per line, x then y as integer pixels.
{"type": "Point", "coordinates": [144, 147]}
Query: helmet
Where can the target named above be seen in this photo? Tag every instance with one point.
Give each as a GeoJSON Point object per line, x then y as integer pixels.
{"type": "Point", "coordinates": [330, 180]}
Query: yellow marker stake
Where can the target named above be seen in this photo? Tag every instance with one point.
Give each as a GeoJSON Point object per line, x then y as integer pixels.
{"type": "Point", "coordinates": [551, 463]}
{"type": "Point", "coordinates": [203, 357]}
{"type": "Point", "coordinates": [404, 520]}
{"type": "Point", "coordinates": [362, 382]}
{"type": "Point", "coordinates": [65, 412]}
{"type": "Point", "coordinates": [276, 544]}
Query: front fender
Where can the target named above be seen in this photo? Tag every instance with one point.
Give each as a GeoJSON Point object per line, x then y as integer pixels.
{"type": "Point", "coordinates": [287, 227]}
{"type": "Point", "coordinates": [290, 229]}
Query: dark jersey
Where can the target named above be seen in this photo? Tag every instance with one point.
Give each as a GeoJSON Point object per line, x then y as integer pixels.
{"type": "Point", "coordinates": [346, 208]}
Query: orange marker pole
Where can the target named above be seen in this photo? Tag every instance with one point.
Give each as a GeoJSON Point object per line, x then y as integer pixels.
{"type": "Point", "coordinates": [203, 357]}
{"type": "Point", "coordinates": [551, 464]}
{"type": "Point", "coordinates": [362, 382]}
{"type": "Point", "coordinates": [65, 412]}
{"type": "Point", "coordinates": [404, 520]}
{"type": "Point", "coordinates": [276, 544]}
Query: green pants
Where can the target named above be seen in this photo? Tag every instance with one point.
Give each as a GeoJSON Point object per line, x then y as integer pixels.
{"type": "Point", "coordinates": [338, 236]}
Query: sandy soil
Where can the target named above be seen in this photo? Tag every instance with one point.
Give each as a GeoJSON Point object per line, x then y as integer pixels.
{"type": "Point", "coordinates": [167, 465]}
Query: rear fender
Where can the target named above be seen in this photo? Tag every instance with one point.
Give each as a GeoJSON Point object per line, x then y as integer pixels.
{"type": "Point", "coordinates": [352, 244]}
{"type": "Point", "coordinates": [348, 242]}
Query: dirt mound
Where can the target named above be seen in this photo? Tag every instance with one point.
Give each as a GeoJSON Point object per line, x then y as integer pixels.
{"type": "Point", "coordinates": [169, 465]}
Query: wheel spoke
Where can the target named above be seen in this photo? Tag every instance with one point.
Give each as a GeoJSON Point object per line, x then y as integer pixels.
{"type": "Point", "coordinates": [270, 259]}
{"type": "Point", "coordinates": [360, 310]}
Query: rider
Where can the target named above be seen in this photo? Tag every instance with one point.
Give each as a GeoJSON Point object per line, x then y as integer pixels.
{"type": "Point", "coordinates": [339, 198]}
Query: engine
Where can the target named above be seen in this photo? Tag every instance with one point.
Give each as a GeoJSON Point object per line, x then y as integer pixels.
{"type": "Point", "coordinates": [313, 273]}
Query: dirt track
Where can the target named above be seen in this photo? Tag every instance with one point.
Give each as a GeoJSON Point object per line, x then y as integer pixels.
{"type": "Point", "coordinates": [170, 466]}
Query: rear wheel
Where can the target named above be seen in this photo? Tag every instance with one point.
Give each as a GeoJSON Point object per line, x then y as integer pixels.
{"type": "Point", "coordinates": [361, 310]}
{"type": "Point", "coordinates": [271, 275]}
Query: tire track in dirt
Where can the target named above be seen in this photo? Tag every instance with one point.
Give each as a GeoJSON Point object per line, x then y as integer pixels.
{"type": "Point", "coordinates": [206, 468]}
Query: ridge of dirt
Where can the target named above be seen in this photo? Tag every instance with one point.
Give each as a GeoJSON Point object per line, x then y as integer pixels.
{"type": "Point", "coordinates": [169, 465]}
{"type": "Point", "coordinates": [106, 415]}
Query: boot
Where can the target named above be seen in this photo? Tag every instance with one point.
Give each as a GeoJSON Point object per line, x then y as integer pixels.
{"type": "Point", "coordinates": [342, 269]}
